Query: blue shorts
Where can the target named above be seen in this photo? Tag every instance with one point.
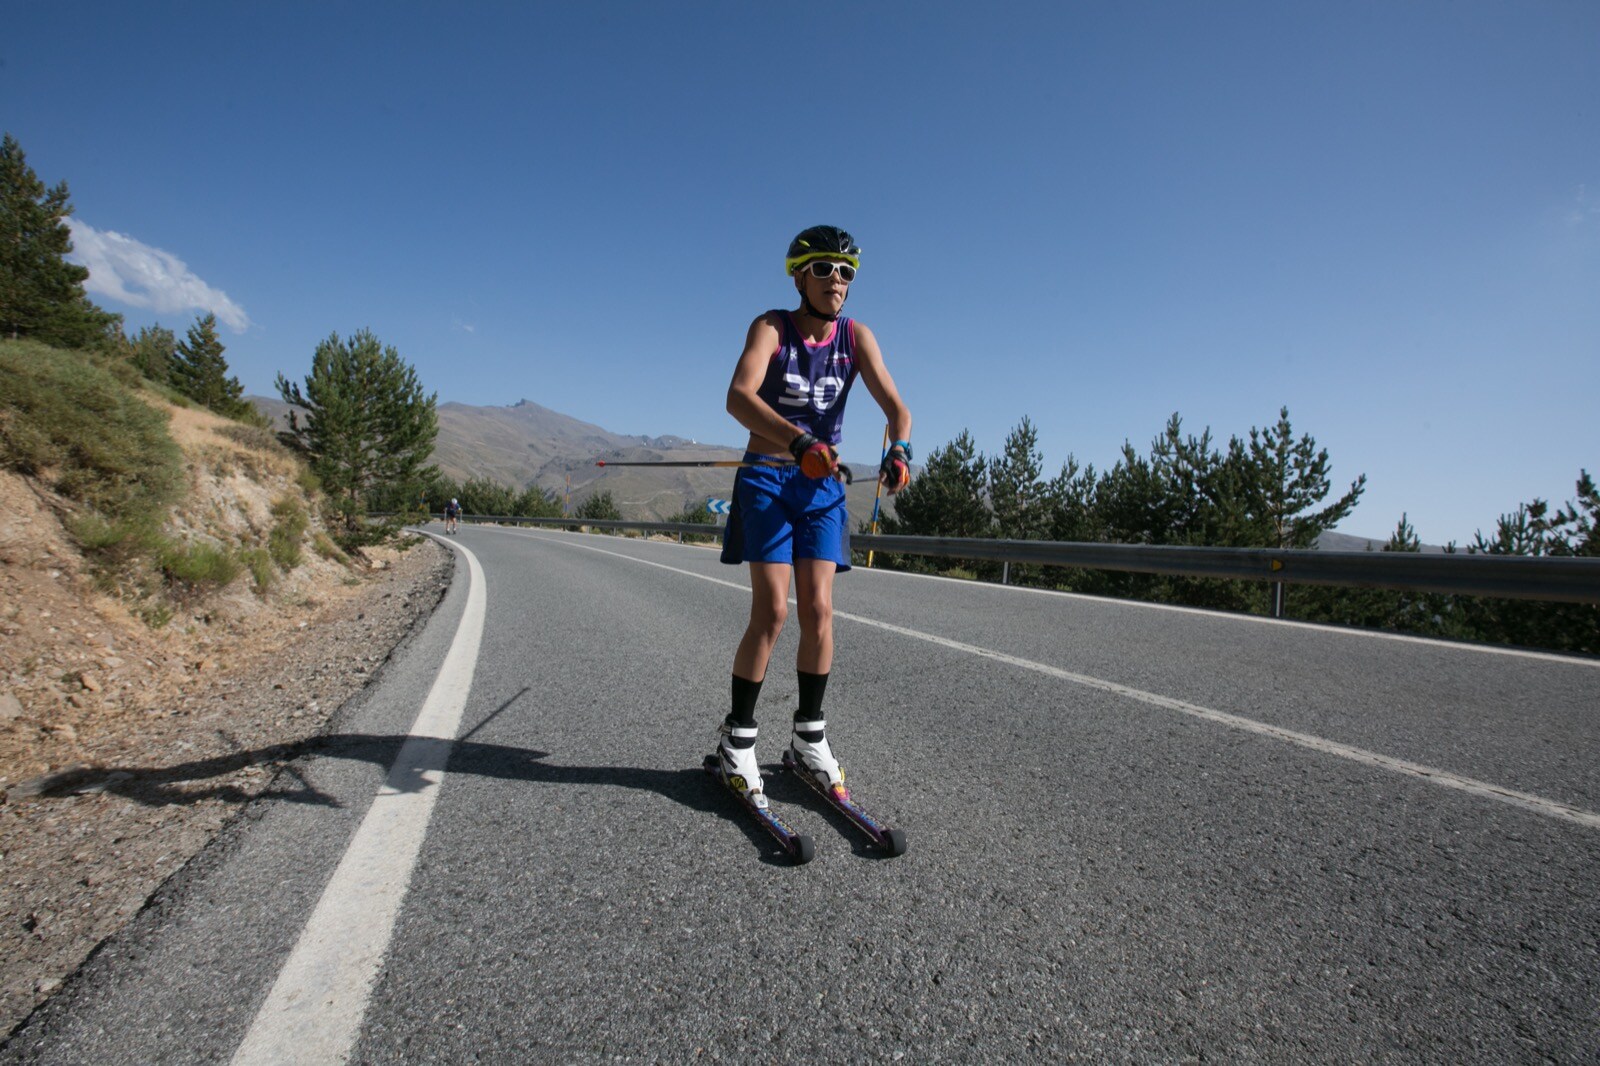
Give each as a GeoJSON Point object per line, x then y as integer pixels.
{"type": "Point", "coordinates": [780, 515]}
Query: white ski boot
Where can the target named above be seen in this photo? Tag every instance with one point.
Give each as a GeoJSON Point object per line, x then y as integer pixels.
{"type": "Point", "coordinates": [810, 751]}
{"type": "Point", "coordinates": [738, 764]}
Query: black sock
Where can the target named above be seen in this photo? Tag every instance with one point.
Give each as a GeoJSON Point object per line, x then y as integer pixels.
{"type": "Point", "coordinates": [745, 694]}
{"type": "Point", "coordinates": [812, 686]}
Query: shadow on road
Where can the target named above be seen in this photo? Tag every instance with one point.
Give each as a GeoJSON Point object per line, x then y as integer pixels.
{"type": "Point", "coordinates": [187, 782]}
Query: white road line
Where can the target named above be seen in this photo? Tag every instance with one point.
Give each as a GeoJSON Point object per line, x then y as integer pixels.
{"type": "Point", "coordinates": [313, 1013]}
{"type": "Point", "coordinates": [1442, 778]}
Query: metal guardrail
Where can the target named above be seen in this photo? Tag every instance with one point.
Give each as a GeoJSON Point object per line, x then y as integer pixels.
{"type": "Point", "coordinates": [1565, 580]}
{"type": "Point", "coordinates": [1503, 576]}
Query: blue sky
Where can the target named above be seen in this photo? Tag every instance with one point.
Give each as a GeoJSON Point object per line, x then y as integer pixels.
{"type": "Point", "coordinates": [1384, 216]}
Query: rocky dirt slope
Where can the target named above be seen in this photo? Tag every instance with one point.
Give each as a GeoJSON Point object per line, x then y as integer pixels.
{"type": "Point", "coordinates": [124, 749]}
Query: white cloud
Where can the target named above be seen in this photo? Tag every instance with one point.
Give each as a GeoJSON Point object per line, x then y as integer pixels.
{"type": "Point", "coordinates": [122, 269]}
{"type": "Point", "coordinates": [1584, 208]}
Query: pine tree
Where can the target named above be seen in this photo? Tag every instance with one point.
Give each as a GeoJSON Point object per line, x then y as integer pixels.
{"type": "Point", "coordinates": [1132, 501]}
{"type": "Point", "coordinates": [1534, 531]}
{"type": "Point", "coordinates": [366, 425]}
{"type": "Point", "coordinates": [1070, 515]}
{"type": "Point", "coordinates": [1580, 519]}
{"type": "Point", "coordinates": [481, 496]}
{"type": "Point", "coordinates": [1016, 487]}
{"type": "Point", "coordinates": [1018, 495]}
{"type": "Point", "coordinates": [200, 372]}
{"type": "Point", "coordinates": [1404, 538]}
{"type": "Point", "coordinates": [153, 353]}
{"type": "Point", "coordinates": [41, 294]}
{"type": "Point", "coordinates": [1279, 482]}
{"type": "Point", "coordinates": [1402, 609]}
{"type": "Point", "coordinates": [1070, 497]}
{"type": "Point", "coordinates": [694, 513]}
{"type": "Point", "coordinates": [599, 508]}
{"type": "Point", "coordinates": [1405, 610]}
{"type": "Point", "coordinates": [534, 502]}
{"type": "Point", "coordinates": [1201, 505]}
{"type": "Point", "coordinates": [1525, 531]}
{"type": "Point", "coordinates": [1199, 499]}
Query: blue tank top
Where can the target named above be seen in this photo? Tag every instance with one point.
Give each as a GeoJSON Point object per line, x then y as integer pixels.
{"type": "Point", "coordinates": [808, 383]}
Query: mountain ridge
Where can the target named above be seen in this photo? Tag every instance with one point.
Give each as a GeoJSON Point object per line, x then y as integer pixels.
{"type": "Point", "coordinates": [526, 443]}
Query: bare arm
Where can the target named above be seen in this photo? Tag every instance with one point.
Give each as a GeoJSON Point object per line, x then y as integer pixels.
{"type": "Point", "coordinates": [875, 376]}
{"type": "Point", "coordinates": [754, 413]}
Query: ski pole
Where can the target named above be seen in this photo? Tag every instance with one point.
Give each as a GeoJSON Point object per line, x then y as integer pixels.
{"type": "Point", "coordinates": [698, 462]}
{"type": "Point", "coordinates": [844, 473]}
{"type": "Point", "coordinates": [878, 494]}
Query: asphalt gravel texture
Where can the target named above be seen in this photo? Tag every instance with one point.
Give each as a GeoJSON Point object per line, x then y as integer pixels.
{"type": "Point", "coordinates": [1089, 877]}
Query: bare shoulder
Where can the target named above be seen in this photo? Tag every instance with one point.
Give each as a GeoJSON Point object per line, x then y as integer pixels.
{"type": "Point", "coordinates": [763, 337]}
{"type": "Point", "coordinates": [863, 337]}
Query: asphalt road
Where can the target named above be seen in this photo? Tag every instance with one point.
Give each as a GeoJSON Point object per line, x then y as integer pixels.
{"type": "Point", "coordinates": [1136, 834]}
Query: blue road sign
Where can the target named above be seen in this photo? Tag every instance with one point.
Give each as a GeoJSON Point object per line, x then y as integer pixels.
{"type": "Point", "coordinates": [716, 506]}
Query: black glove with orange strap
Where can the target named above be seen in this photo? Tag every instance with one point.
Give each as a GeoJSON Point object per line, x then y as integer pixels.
{"type": "Point", "coordinates": [895, 470]}
{"type": "Point", "coordinates": [816, 459]}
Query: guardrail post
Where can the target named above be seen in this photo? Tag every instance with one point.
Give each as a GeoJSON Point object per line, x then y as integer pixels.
{"type": "Point", "coordinates": [1278, 594]}
{"type": "Point", "coordinates": [1005, 572]}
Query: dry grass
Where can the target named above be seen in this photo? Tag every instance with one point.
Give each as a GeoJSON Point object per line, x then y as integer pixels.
{"type": "Point", "coordinates": [198, 431]}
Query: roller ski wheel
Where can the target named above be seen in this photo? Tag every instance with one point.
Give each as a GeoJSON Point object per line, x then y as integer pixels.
{"type": "Point", "coordinates": [895, 842]}
{"type": "Point", "coordinates": [891, 842]}
{"type": "Point", "coordinates": [798, 846]}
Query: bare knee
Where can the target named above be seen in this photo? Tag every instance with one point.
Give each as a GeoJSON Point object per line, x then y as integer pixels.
{"type": "Point", "coordinates": [816, 615]}
{"type": "Point", "coordinates": [768, 619]}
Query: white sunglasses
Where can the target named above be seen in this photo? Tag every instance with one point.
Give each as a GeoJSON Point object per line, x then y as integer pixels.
{"type": "Point", "coordinates": [824, 268]}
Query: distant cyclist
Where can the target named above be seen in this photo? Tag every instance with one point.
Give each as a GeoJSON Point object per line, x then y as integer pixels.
{"type": "Point", "coordinates": [452, 516]}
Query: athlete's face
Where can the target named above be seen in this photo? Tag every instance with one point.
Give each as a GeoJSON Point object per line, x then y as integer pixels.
{"type": "Point", "coordinates": [826, 294]}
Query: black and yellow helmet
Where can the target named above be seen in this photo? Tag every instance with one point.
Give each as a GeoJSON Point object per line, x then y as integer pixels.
{"type": "Point", "coordinates": [821, 242]}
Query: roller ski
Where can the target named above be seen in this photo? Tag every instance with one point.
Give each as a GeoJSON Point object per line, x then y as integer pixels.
{"type": "Point", "coordinates": [735, 766]}
{"type": "Point", "coordinates": [810, 759]}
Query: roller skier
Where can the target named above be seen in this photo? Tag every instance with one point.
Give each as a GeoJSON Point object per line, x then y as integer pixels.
{"type": "Point", "coordinates": [789, 390]}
